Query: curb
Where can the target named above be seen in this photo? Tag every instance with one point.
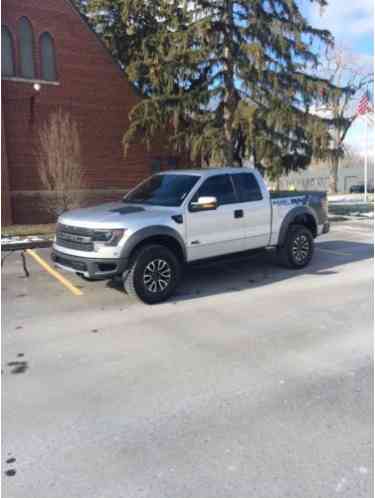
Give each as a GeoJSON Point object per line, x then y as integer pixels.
{"type": "Point", "coordinates": [335, 219]}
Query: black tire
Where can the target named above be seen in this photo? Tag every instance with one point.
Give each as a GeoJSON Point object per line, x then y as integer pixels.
{"type": "Point", "coordinates": [298, 248]}
{"type": "Point", "coordinates": [153, 274]}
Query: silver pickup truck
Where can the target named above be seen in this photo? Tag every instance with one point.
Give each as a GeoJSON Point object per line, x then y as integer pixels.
{"type": "Point", "coordinates": [177, 217]}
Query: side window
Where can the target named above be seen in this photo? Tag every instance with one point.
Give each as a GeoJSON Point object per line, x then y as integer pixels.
{"type": "Point", "coordinates": [26, 41]}
{"type": "Point", "coordinates": [48, 57]}
{"type": "Point", "coordinates": [7, 52]}
{"type": "Point", "coordinates": [247, 187]}
{"type": "Point", "coordinates": [219, 186]}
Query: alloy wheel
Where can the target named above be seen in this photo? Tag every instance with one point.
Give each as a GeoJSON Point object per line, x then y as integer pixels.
{"type": "Point", "coordinates": [300, 248]}
{"type": "Point", "coordinates": [157, 275]}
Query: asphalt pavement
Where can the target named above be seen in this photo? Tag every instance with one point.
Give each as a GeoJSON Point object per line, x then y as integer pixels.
{"type": "Point", "coordinates": [253, 382]}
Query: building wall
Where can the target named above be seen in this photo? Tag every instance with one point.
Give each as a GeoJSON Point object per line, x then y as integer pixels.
{"type": "Point", "coordinates": [317, 178]}
{"type": "Point", "coordinates": [92, 88]}
{"type": "Point", "coordinates": [6, 210]}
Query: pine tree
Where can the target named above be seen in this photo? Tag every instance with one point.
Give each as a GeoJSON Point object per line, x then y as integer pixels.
{"type": "Point", "coordinates": [230, 79]}
{"type": "Point", "coordinates": [126, 30]}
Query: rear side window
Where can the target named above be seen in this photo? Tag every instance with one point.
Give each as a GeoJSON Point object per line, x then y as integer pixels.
{"type": "Point", "coordinates": [219, 186]}
{"type": "Point", "coordinates": [247, 187]}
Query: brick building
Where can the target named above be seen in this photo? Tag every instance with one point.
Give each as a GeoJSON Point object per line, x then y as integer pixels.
{"type": "Point", "coordinates": [51, 59]}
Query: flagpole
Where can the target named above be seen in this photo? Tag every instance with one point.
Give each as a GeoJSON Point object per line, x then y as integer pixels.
{"type": "Point", "coordinates": [366, 158]}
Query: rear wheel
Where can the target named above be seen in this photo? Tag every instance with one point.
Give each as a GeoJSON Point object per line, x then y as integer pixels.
{"type": "Point", "coordinates": [298, 248]}
{"type": "Point", "coordinates": [153, 274]}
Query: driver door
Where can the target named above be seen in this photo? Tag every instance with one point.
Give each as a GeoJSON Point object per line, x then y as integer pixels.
{"type": "Point", "coordinates": [216, 231]}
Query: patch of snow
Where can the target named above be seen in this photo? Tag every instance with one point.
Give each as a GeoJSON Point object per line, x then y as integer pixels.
{"type": "Point", "coordinates": [341, 484]}
{"type": "Point", "coordinates": [22, 239]}
{"type": "Point", "coordinates": [348, 198]}
{"type": "Point", "coordinates": [363, 470]}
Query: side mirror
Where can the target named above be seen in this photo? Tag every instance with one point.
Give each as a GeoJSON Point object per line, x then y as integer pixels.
{"type": "Point", "coordinates": [204, 204]}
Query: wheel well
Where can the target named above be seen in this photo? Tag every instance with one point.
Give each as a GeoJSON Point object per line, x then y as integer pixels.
{"type": "Point", "coordinates": [163, 240]}
{"type": "Point", "coordinates": [308, 221]}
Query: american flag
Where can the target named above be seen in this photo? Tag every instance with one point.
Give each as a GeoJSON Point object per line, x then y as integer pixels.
{"type": "Point", "coordinates": [364, 105]}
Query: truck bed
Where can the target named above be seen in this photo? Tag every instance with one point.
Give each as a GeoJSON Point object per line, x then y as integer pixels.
{"type": "Point", "coordinates": [314, 198]}
{"type": "Point", "coordinates": [284, 201]}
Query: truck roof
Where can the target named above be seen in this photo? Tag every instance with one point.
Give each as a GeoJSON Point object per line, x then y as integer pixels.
{"type": "Point", "coordinates": [205, 172]}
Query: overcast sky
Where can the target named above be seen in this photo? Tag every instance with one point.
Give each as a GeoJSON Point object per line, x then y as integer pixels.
{"type": "Point", "coordinates": [352, 24]}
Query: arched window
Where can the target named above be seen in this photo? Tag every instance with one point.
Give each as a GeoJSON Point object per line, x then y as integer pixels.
{"type": "Point", "coordinates": [7, 52]}
{"type": "Point", "coordinates": [48, 58]}
{"type": "Point", "coordinates": [26, 41]}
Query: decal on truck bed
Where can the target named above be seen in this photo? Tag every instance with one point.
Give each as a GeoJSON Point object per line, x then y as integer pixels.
{"type": "Point", "coordinates": [290, 201]}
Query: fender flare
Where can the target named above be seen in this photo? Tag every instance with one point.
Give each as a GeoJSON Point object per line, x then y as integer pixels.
{"type": "Point", "coordinates": [148, 232]}
{"type": "Point", "coordinates": [290, 217]}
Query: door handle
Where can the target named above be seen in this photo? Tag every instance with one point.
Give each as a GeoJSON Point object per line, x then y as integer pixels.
{"type": "Point", "coordinates": [238, 213]}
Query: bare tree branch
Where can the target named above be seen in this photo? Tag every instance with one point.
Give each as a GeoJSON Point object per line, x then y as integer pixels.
{"type": "Point", "coordinates": [343, 68]}
{"type": "Point", "coordinates": [60, 164]}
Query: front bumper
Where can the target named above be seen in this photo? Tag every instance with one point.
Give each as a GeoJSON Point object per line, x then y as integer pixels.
{"type": "Point", "coordinates": [89, 267]}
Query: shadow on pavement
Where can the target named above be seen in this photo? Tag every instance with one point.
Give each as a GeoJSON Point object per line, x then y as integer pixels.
{"type": "Point", "coordinates": [246, 271]}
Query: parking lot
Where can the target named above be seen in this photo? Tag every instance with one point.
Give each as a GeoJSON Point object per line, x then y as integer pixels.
{"type": "Point", "coordinates": [254, 381]}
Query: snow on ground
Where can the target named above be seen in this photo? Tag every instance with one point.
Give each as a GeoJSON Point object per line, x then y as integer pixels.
{"type": "Point", "coordinates": [349, 198]}
{"type": "Point", "coordinates": [22, 239]}
{"type": "Point", "coordinates": [365, 215]}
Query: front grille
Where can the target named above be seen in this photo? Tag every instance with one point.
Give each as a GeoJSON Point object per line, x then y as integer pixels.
{"type": "Point", "coordinates": [85, 232]}
{"type": "Point", "coordinates": [77, 238]}
{"type": "Point", "coordinates": [78, 246]}
{"type": "Point", "coordinates": [76, 265]}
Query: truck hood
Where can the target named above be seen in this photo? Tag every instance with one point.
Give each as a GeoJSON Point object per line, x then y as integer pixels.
{"type": "Point", "coordinates": [114, 215]}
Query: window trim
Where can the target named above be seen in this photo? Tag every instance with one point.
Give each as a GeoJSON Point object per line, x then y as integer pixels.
{"type": "Point", "coordinates": [41, 55]}
{"type": "Point", "coordinates": [239, 193]}
{"type": "Point", "coordinates": [18, 79]}
{"type": "Point", "coordinates": [13, 52]}
{"type": "Point", "coordinates": [33, 50]}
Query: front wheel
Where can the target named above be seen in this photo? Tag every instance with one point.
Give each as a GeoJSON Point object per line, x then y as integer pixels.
{"type": "Point", "coordinates": [298, 248]}
{"type": "Point", "coordinates": [153, 274]}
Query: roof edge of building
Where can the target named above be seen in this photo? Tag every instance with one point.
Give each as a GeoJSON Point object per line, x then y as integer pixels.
{"type": "Point", "coordinates": [104, 46]}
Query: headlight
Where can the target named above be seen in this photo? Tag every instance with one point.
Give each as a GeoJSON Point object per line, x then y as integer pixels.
{"type": "Point", "coordinates": [108, 237]}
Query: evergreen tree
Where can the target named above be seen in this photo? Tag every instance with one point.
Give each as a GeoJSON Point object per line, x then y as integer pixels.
{"type": "Point", "coordinates": [230, 79]}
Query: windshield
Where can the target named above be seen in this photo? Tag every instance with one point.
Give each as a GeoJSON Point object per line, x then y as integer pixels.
{"type": "Point", "coordinates": [163, 190]}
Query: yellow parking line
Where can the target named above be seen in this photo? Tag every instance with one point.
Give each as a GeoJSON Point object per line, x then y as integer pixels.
{"type": "Point", "coordinates": [54, 273]}
{"type": "Point", "coordinates": [337, 253]}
